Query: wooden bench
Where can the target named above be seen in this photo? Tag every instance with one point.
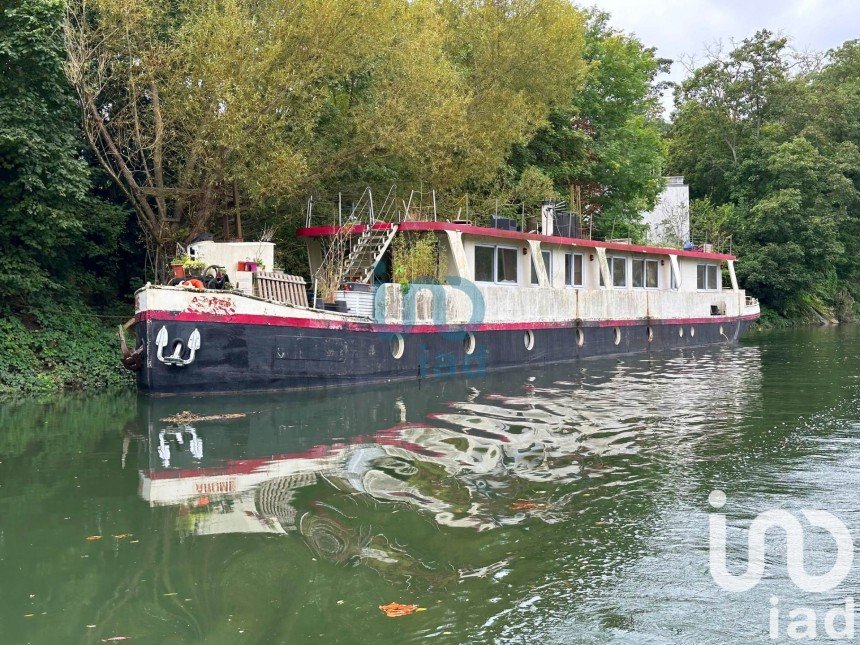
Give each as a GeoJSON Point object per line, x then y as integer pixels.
{"type": "Point", "coordinates": [280, 287]}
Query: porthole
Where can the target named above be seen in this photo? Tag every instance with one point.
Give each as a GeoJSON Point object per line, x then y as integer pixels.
{"type": "Point", "coordinates": [617, 336]}
{"type": "Point", "coordinates": [692, 331]}
{"type": "Point", "coordinates": [681, 332]}
{"type": "Point", "coordinates": [580, 337]}
{"type": "Point", "coordinates": [529, 339]}
{"type": "Point", "coordinates": [397, 345]}
{"type": "Point", "coordinates": [650, 335]}
{"type": "Point", "coordinates": [469, 343]}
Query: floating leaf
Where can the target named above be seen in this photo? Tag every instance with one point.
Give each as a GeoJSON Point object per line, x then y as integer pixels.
{"type": "Point", "coordinates": [395, 609]}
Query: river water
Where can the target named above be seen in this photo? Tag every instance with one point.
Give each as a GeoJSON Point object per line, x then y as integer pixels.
{"type": "Point", "coordinates": [558, 504]}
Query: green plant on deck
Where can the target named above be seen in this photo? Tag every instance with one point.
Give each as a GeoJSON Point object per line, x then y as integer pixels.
{"type": "Point", "coordinates": [416, 259]}
{"type": "Point", "coordinates": [194, 266]}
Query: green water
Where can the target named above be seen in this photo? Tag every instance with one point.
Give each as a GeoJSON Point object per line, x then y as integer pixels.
{"type": "Point", "coordinates": [562, 504]}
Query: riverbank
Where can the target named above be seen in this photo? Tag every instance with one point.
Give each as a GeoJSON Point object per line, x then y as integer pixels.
{"type": "Point", "coordinates": [45, 351]}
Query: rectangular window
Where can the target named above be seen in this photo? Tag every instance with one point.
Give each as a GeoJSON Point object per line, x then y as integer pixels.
{"type": "Point", "coordinates": [573, 269]}
{"type": "Point", "coordinates": [707, 277]}
{"type": "Point", "coordinates": [506, 265]}
{"type": "Point", "coordinates": [618, 268]}
{"type": "Point", "coordinates": [484, 263]}
{"type": "Point", "coordinates": [712, 276]}
{"type": "Point", "coordinates": [547, 262]}
{"type": "Point", "coordinates": [645, 274]}
{"type": "Point", "coordinates": [652, 274]}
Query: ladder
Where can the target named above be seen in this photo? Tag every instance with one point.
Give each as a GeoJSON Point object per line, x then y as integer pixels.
{"type": "Point", "coordinates": [366, 253]}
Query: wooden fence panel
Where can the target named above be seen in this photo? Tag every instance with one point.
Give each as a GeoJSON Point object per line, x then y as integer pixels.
{"type": "Point", "coordinates": [280, 287]}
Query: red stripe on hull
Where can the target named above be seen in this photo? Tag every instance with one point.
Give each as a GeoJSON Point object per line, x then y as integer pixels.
{"type": "Point", "coordinates": [318, 323]}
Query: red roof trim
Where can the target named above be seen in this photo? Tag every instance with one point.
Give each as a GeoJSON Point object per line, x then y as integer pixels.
{"type": "Point", "coordinates": [321, 231]}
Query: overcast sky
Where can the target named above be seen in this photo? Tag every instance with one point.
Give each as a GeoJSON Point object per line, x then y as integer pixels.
{"type": "Point", "coordinates": [679, 28]}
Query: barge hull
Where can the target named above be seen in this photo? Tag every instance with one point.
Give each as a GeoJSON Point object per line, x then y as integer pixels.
{"type": "Point", "coordinates": [240, 357]}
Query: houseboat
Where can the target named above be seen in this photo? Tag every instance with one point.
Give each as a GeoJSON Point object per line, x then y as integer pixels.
{"type": "Point", "coordinates": [503, 295]}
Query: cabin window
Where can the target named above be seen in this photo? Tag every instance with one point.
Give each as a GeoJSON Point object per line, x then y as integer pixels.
{"type": "Point", "coordinates": [618, 271]}
{"type": "Point", "coordinates": [495, 264]}
{"type": "Point", "coordinates": [618, 268]}
{"type": "Point", "coordinates": [547, 262]}
{"type": "Point", "coordinates": [707, 277]}
{"type": "Point", "coordinates": [506, 264]}
{"type": "Point", "coordinates": [645, 274]}
{"type": "Point", "coordinates": [484, 263]}
{"type": "Point", "coordinates": [573, 269]}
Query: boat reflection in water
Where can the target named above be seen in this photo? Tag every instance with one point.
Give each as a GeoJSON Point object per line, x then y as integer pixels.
{"type": "Point", "coordinates": [475, 454]}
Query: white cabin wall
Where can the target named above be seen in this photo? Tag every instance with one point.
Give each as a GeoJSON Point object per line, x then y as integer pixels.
{"type": "Point", "coordinates": [502, 304]}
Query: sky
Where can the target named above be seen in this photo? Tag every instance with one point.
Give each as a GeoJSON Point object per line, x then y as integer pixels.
{"type": "Point", "coordinates": [680, 29]}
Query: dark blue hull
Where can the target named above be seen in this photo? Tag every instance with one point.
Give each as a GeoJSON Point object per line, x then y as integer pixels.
{"type": "Point", "coordinates": [235, 357]}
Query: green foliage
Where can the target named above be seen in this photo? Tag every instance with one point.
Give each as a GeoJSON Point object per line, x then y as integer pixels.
{"type": "Point", "coordinates": [772, 161]}
{"type": "Point", "coordinates": [603, 148]}
{"type": "Point", "coordinates": [269, 100]}
{"type": "Point", "coordinates": [52, 226]}
{"type": "Point", "coordinates": [54, 346]}
{"type": "Point", "coordinates": [59, 243]}
{"type": "Point", "coordinates": [534, 186]}
{"type": "Point", "coordinates": [416, 259]}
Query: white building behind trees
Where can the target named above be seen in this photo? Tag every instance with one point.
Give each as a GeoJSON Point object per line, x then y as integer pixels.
{"type": "Point", "coordinates": [669, 222]}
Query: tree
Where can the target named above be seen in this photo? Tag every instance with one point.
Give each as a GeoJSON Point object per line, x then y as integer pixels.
{"type": "Point", "coordinates": [603, 147]}
{"type": "Point", "coordinates": [198, 107]}
{"type": "Point", "coordinates": [775, 155]}
{"type": "Point", "coordinates": [51, 224]}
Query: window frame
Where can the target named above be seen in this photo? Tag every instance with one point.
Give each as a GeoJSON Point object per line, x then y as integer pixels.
{"type": "Point", "coordinates": [495, 266]}
{"type": "Point", "coordinates": [611, 261]}
{"type": "Point", "coordinates": [492, 263]}
{"type": "Point", "coordinates": [645, 262]}
{"type": "Point", "coordinates": [711, 270]}
{"type": "Point", "coordinates": [569, 262]}
{"type": "Point", "coordinates": [516, 279]}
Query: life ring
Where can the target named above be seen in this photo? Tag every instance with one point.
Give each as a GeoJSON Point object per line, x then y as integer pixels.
{"type": "Point", "coordinates": [193, 283]}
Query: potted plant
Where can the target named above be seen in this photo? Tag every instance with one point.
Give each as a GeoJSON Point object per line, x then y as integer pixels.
{"type": "Point", "coordinates": [178, 267]}
{"type": "Point", "coordinates": [261, 266]}
{"type": "Point", "coordinates": [194, 268]}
